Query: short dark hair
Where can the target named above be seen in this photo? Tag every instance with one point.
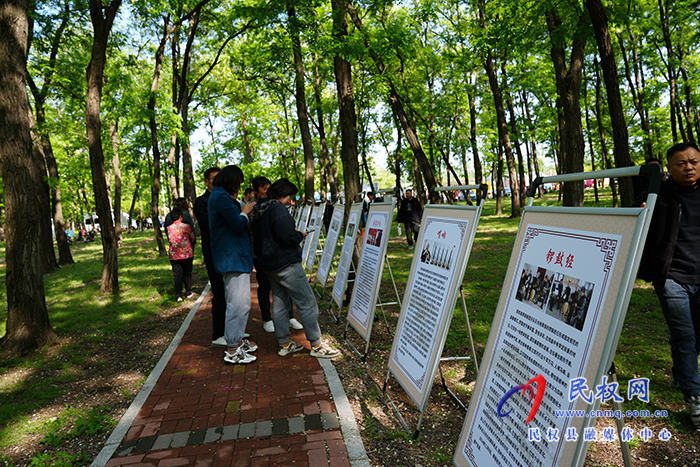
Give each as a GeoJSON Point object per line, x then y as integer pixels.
{"type": "Point", "coordinates": [680, 147]}
{"type": "Point", "coordinates": [652, 160]}
{"type": "Point", "coordinates": [180, 202]}
{"type": "Point", "coordinates": [259, 182]}
{"type": "Point", "coordinates": [248, 191]}
{"type": "Point", "coordinates": [229, 178]}
{"type": "Point", "coordinates": [177, 213]}
{"type": "Point", "coordinates": [281, 188]}
{"type": "Point", "coordinates": [209, 171]}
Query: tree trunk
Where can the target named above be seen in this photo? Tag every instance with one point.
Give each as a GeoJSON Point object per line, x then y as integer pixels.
{"type": "Point", "coordinates": [612, 85]}
{"type": "Point", "coordinates": [514, 131]}
{"type": "Point", "coordinates": [568, 83]}
{"type": "Point", "coordinates": [601, 132]}
{"type": "Point", "coordinates": [638, 91]}
{"type": "Point", "coordinates": [478, 171]}
{"type": "Point", "coordinates": [155, 187]}
{"type": "Point", "coordinates": [27, 324]}
{"type": "Point", "coordinates": [663, 16]}
{"type": "Point", "coordinates": [114, 134]}
{"type": "Point", "coordinates": [590, 144]}
{"type": "Point", "coordinates": [346, 103]}
{"type": "Point", "coordinates": [102, 26]}
{"type": "Point", "coordinates": [503, 137]}
{"type": "Point", "coordinates": [302, 110]}
{"type": "Point", "coordinates": [47, 256]}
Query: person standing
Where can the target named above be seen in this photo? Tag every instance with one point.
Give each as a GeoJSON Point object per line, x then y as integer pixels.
{"type": "Point", "coordinates": [181, 251]}
{"type": "Point", "coordinates": [670, 263]}
{"type": "Point", "coordinates": [411, 213]}
{"type": "Point", "coordinates": [233, 258]}
{"type": "Point", "coordinates": [218, 301]}
{"type": "Point", "coordinates": [260, 186]}
{"type": "Point", "coordinates": [186, 218]}
{"type": "Point", "coordinates": [277, 247]}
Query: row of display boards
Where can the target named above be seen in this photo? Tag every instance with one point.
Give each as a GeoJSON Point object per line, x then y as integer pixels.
{"type": "Point", "coordinates": [537, 345]}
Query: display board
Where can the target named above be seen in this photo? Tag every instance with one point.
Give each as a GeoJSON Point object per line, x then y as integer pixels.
{"type": "Point", "coordinates": [314, 236]}
{"type": "Point", "coordinates": [311, 230]}
{"type": "Point", "coordinates": [370, 267]}
{"type": "Point", "coordinates": [324, 267]}
{"type": "Point", "coordinates": [561, 308]}
{"type": "Point", "coordinates": [341, 277]}
{"type": "Point", "coordinates": [303, 219]}
{"type": "Point", "coordinates": [443, 247]}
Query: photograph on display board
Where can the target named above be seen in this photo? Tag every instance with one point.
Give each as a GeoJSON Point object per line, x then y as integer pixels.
{"type": "Point", "coordinates": [350, 231]}
{"type": "Point", "coordinates": [374, 237]}
{"type": "Point", "coordinates": [563, 297]}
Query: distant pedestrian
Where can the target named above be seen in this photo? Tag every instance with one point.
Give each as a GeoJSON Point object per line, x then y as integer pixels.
{"type": "Point", "coordinates": [410, 213]}
{"type": "Point", "coordinates": [233, 258]}
{"type": "Point", "coordinates": [277, 246]}
{"type": "Point", "coordinates": [181, 251]}
{"type": "Point", "coordinates": [365, 207]}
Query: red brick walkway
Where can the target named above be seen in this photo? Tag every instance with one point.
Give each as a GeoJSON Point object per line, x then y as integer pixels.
{"type": "Point", "coordinates": [203, 412]}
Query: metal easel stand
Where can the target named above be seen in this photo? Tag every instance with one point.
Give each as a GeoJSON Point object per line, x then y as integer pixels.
{"type": "Point", "coordinates": [620, 422]}
{"type": "Point", "coordinates": [362, 356]}
{"type": "Point", "coordinates": [397, 412]}
{"type": "Point", "coordinates": [396, 291]}
{"type": "Point", "coordinates": [453, 359]}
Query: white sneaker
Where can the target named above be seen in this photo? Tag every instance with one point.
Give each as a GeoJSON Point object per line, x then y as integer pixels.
{"type": "Point", "coordinates": [220, 342]}
{"type": "Point", "coordinates": [248, 346]}
{"type": "Point", "coordinates": [240, 356]}
{"type": "Point", "coordinates": [324, 351]}
{"type": "Point", "coordinates": [269, 326]}
{"type": "Point", "coordinates": [291, 348]}
{"type": "Point", "coordinates": [294, 324]}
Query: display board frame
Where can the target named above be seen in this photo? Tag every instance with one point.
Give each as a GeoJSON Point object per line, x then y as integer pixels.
{"type": "Point", "coordinates": [380, 215]}
{"type": "Point", "coordinates": [311, 231]}
{"type": "Point", "coordinates": [329, 248]}
{"type": "Point", "coordinates": [316, 234]}
{"type": "Point", "coordinates": [434, 217]}
{"type": "Point", "coordinates": [341, 278]}
{"type": "Point", "coordinates": [303, 219]}
{"type": "Point", "coordinates": [606, 244]}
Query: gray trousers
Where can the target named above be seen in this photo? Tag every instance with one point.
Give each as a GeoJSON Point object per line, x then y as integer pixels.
{"type": "Point", "coordinates": [237, 291]}
{"type": "Point", "coordinates": [290, 283]}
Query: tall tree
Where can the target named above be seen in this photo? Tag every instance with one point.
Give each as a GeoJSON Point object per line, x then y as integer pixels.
{"type": "Point", "coordinates": [621, 149]}
{"type": "Point", "coordinates": [347, 118]}
{"type": "Point", "coordinates": [302, 108]}
{"type": "Point", "coordinates": [28, 322]}
{"type": "Point", "coordinates": [102, 18]}
{"type": "Point", "coordinates": [568, 79]}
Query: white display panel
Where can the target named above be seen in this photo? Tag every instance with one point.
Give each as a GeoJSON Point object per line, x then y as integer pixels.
{"type": "Point", "coordinates": [341, 277]}
{"type": "Point", "coordinates": [324, 266]}
{"type": "Point", "coordinates": [370, 267]}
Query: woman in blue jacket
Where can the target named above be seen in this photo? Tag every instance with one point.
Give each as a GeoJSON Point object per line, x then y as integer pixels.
{"type": "Point", "coordinates": [233, 258]}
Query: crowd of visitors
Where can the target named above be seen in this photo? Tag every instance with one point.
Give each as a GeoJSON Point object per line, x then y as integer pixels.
{"type": "Point", "coordinates": [238, 236]}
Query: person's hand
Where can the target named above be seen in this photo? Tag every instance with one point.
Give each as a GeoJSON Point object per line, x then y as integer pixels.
{"type": "Point", "coordinates": [305, 234]}
{"type": "Point", "coordinates": [248, 208]}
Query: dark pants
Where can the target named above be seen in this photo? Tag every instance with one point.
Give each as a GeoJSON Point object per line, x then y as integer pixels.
{"type": "Point", "coordinates": [681, 306]}
{"type": "Point", "coordinates": [182, 272]}
{"type": "Point", "coordinates": [218, 301]}
{"type": "Point", "coordinates": [264, 290]}
{"type": "Point", "coordinates": [411, 227]}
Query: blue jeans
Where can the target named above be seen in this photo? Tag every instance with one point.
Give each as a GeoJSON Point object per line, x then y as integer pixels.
{"type": "Point", "coordinates": [681, 306]}
{"type": "Point", "coordinates": [290, 283]}
{"type": "Point", "coordinates": [237, 288]}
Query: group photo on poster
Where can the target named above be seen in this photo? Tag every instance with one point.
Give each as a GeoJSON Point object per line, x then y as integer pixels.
{"type": "Point", "coordinates": [563, 297]}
